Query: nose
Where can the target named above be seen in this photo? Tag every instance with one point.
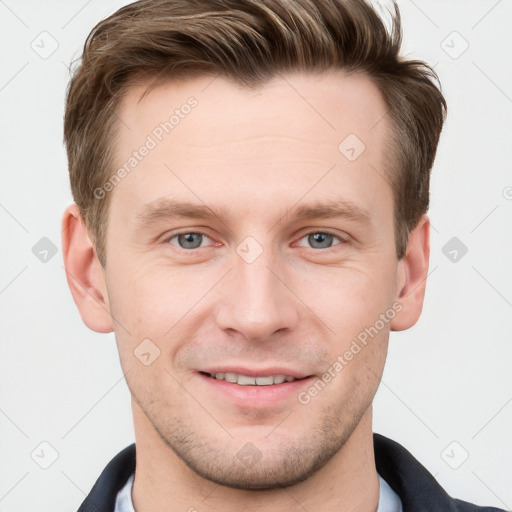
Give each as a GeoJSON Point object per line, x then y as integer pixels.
{"type": "Point", "coordinates": [257, 302]}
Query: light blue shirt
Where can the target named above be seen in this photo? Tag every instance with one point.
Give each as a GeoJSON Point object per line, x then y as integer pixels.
{"type": "Point", "coordinates": [388, 499]}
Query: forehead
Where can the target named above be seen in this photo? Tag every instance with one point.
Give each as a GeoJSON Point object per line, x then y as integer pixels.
{"type": "Point", "coordinates": [264, 142]}
{"type": "Point", "coordinates": [328, 104]}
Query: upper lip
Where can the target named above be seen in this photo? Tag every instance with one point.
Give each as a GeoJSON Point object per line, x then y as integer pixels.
{"type": "Point", "coordinates": [255, 372]}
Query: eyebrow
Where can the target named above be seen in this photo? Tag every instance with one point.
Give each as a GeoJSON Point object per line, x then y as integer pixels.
{"type": "Point", "coordinates": [330, 210]}
{"type": "Point", "coordinates": [166, 209]}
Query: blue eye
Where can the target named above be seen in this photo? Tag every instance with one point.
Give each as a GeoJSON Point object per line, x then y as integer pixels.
{"type": "Point", "coordinates": [194, 240]}
{"type": "Point", "coordinates": [320, 240]}
{"type": "Point", "coordinates": [189, 240]}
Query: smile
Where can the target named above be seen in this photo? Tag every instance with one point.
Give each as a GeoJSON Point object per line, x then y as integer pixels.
{"type": "Point", "coordinates": [246, 380]}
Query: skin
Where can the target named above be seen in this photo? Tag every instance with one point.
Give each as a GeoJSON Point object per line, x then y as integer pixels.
{"type": "Point", "coordinates": [257, 156]}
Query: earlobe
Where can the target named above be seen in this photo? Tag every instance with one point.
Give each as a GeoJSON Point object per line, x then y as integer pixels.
{"type": "Point", "coordinates": [412, 275]}
{"type": "Point", "coordinates": [84, 273]}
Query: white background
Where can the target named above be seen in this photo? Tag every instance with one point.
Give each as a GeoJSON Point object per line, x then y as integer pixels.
{"type": "Point", "coordinates": [447, 379]}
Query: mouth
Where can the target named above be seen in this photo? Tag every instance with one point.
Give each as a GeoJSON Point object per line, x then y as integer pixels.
{"type": "Point", "coordinates": [252, 380]}
{"type": "Point", "coordinates": [264, 389]}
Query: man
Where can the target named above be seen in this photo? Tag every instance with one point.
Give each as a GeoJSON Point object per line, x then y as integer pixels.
{"type": "Point", "coordinates": [251, 183]}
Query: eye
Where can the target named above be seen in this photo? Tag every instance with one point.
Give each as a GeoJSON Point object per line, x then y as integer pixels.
{"type": "Point", "coordinates": [195, 240]}
{"type": "Point", "coordinates": [320, 240]}
{"type": "Point", "coordinates": [190, 240]}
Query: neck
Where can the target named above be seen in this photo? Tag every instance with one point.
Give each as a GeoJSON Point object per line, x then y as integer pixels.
{"type": "Point", "coordinates": [163, 482]}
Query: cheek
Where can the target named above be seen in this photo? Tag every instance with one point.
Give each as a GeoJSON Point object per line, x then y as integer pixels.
{"type": "Point", "coordinates": [157, 303]}
{"type": "Point", "coordinates": [356, 368]}
{"type": "Point", "coordinates": [347, 299]}
{"type": "Point", "coordinates": [133, 298]}
{"type": "Point", "coordinates": [140, 295]}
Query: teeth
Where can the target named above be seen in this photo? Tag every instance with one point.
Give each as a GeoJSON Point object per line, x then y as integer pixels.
{"type": "Point", "coordinates": [245, 380]}
{"type": "Point", "coordinates": [265, 381]}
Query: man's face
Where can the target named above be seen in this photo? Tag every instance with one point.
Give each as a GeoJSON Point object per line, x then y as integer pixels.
{"type": "Point", "coordinates": [264, 284]}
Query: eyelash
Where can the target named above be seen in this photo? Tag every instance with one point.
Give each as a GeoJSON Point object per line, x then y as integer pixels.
{"type": "Point", "coordinates": [176, 235]}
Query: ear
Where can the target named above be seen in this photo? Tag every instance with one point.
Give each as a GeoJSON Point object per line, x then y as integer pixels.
{"type": "Point", "coordinates": [84, 273]}
{"type": "Point", "coordinates": [412, 276]}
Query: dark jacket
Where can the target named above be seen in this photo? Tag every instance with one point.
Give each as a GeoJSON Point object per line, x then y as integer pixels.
{"type": "Point", "coordinates": [416, 487]}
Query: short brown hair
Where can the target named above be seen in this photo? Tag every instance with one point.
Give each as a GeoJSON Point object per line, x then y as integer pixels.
{"type": "Point", "coordinates": [250, 42]}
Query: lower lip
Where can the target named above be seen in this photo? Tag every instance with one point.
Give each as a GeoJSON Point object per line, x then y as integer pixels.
{"type": "Point", "coordinates": [256, 396]}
